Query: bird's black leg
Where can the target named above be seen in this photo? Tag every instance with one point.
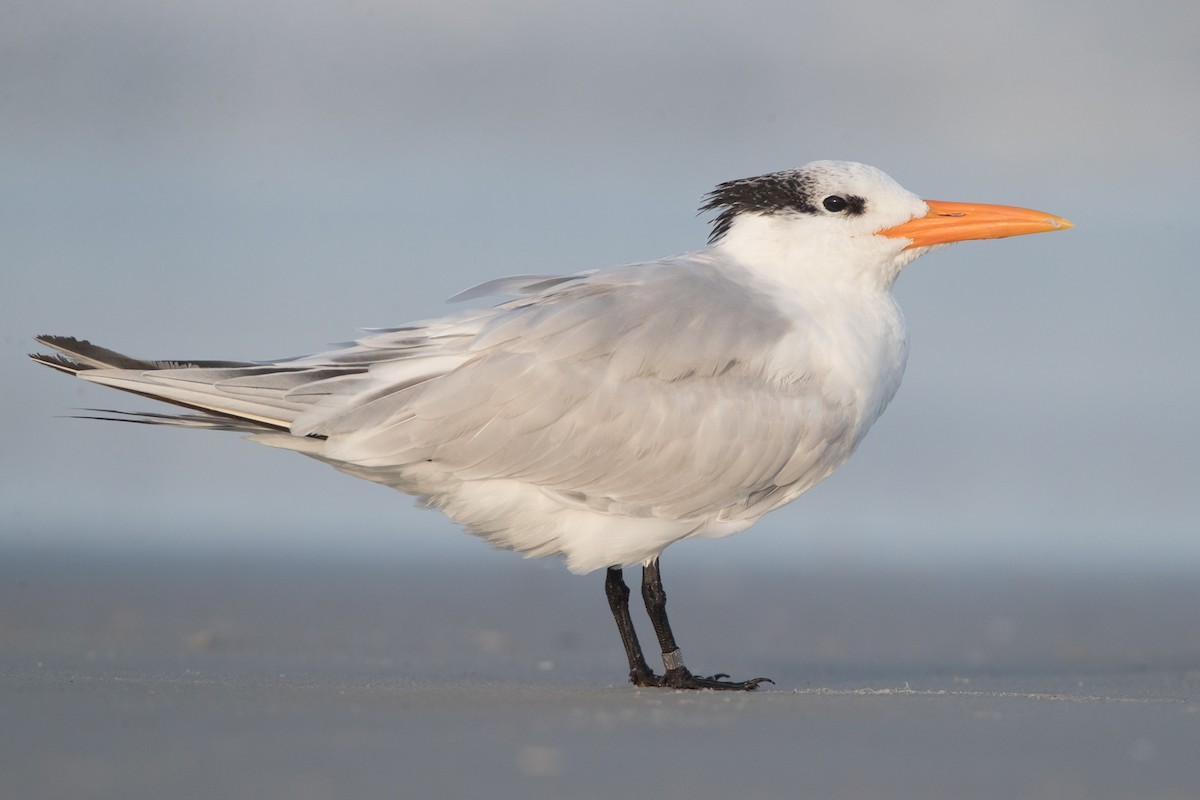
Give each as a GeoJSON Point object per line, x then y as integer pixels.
{"type": "Point", "coordinates": [640, 673]}
{"type": "Point", "coordinates": [677, 675]}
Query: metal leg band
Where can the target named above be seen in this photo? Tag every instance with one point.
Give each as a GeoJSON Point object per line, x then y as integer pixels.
{"type": "Point", "coordinates": [673, 659]}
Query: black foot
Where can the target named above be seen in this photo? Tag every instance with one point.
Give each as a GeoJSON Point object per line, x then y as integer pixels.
{"type": "Point", "coordinates": [644, 678]}
{"type": "Point", "coordinates": [682, 678]}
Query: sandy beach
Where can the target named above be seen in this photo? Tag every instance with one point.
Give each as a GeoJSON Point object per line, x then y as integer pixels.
{"type": "Point", "coordinates": [157, 676]}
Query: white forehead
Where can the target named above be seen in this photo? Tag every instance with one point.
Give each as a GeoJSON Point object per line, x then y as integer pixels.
{"type": "Point", "coordinates": [854, 178]}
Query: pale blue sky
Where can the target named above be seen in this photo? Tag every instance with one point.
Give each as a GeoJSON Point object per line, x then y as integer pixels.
{"type": "Point", "coordinates": [251, 180]}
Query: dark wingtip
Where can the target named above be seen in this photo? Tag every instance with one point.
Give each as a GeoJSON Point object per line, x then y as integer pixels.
{"type": "Point", "coordinates": [76, 355]}
{"type": "Point", "coordinates": [65, 344]}
{"type": "Point", "coordinates": [59, 362]}
{"type": "Point", "coordinates": [51, 340]}
{"type": "Point", "coordinates": [64, 360]}
{"type": "Point", "coordinates": [85, 355]}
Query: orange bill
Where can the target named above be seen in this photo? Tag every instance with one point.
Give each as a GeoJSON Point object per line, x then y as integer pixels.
{"type": "Point", "coordinates": [956, 222]}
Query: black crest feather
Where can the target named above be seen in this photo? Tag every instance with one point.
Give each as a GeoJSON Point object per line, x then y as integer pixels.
{"type": "Point", "coordinates": [798, 191]}
{"type": "Point", "coordinates": [765, 194]}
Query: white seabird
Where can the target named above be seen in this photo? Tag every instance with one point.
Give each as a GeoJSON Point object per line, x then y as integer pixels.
{"type": "Point", "coordinates": [604, 415]}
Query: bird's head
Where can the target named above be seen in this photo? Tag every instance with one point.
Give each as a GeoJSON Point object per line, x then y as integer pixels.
{"type": "Point", "coordinates": [839, 220]}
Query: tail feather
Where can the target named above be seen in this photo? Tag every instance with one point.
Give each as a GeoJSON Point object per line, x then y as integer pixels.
{"type": "Point", "coordinates": [196, 385]}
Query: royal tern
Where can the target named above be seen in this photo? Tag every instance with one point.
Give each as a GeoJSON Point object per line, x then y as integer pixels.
{"type": "Point", "coordinates": [604, 415]}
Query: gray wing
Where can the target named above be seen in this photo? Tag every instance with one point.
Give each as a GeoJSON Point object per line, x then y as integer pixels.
{"type": "Point", "coordinates": [641, 390]}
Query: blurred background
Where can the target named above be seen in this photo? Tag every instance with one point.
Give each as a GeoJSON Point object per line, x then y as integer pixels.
{"type": "Point", "coordinates": [255, 180]}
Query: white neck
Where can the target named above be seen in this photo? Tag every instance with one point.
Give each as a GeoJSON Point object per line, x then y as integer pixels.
{"type": "Point", "coordinates": [853, 334]}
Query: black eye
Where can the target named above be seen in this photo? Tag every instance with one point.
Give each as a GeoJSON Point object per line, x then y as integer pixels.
{"type": "Point", "coordinates": [834, 203]}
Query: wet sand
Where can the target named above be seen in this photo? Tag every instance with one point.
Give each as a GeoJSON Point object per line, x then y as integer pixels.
{"type": "Point", "coordinates": [162, 676]}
